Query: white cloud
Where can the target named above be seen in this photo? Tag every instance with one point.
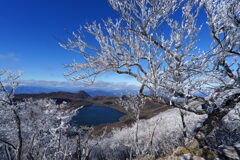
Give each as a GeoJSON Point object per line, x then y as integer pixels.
{"type": "Point", "coordinates": [98, 84]}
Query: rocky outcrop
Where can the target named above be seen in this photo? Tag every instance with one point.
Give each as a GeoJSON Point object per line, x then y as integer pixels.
{"type": "Point", "coordinates": [232, 152]}
{"type": "Point", "coordinates": [216, 106]}
{"type": "Point", "coordinates": [215, 101]}
{"type": "Point", "coordinates": [227, 131]}
{"type": "Point", "coordinates": [221, 99]}
{"type": "Point", "coordinates": [222, 153]}
{"type": "Point", "coordinates": [197, 107]}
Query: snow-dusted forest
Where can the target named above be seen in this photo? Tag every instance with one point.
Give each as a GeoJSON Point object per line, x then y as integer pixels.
{"type": "Point", "coordinates": [157, 43]}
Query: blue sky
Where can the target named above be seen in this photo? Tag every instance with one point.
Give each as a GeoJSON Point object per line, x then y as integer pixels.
{"type": "Point", "coordinates": [28, 28]}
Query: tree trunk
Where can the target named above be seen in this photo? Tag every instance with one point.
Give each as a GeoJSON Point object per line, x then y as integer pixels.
{"type": "Point", "coordinates": [214, 118]}
{"type": "Point", "coordinates": [19, 134]}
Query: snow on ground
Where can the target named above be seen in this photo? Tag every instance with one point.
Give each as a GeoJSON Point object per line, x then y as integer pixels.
{"type": "Point", "coordinates": [166, 127]}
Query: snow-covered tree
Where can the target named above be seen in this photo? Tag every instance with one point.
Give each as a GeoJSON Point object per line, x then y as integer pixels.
{"type": "Point", "coordinates": [133, 105]}
{"type": "Point", "coordinates": [156, 43]}
{"type": "Point", "coordinates": [6, 103]}
{"type": "Point", "coordinates": [35, 129]}
{"type": "Point", "coordinates": [146, 42]}
{"type": "Point", "coordinates": [224, 23]}
{"type": "Point", "coordinates": [8, 86]}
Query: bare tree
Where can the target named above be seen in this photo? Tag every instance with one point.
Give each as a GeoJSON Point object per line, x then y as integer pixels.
{"type": "Point", "coordinates": [35, 129]}
{"type": "Point", "coordinates": [224, 23]}
{"type": "Point", "coordinates": [133, 105]}
{"type": "Point", "coordinates": [164, 62]}
{"type": "Point", "coordinates": [8, 86]}
{"type": "Point", "coordinates": [7, 94]}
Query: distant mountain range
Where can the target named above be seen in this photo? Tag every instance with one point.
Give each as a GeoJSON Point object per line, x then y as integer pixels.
{"type": "Point", "coordinates": [60, 96]}
{"type": "Point", "coordinates": [91, 91]}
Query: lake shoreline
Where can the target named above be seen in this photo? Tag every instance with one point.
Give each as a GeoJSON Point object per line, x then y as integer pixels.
{"type": "Point", "coordinates": [150, 110]}
{"type": "Point", "coordinates": [82, 99]}
{"type": "Point", "coordinates": [95, 115]}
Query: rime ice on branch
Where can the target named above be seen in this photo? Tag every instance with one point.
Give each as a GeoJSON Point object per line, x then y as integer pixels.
{"type": "Point", "coordinates": [35, 128]}
{"type": "Point", "coordinates": [135, 44]}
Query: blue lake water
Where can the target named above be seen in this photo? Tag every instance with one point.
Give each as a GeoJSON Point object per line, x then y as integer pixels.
{"type": "Point", "coordinates": [95, 115]}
